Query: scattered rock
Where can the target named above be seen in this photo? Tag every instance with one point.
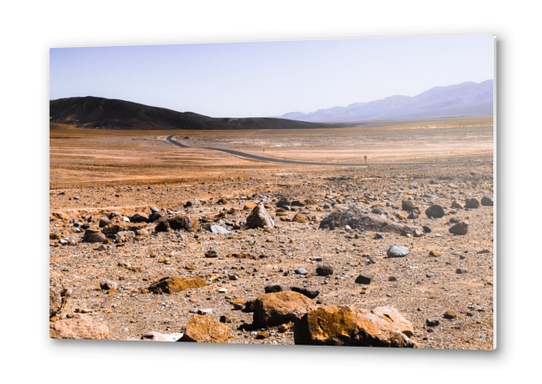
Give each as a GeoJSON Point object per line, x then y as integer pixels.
{"type": "Point", "coordinates": [311, 294]}
{"type": "Point", "coordinates": [426, 229]}
{"type": "Point", "coordinates": [378, 236]}
{"type": "Point", "coordinates": [434, 253]}
{"type": "Point", "coordinates": [211, 253]}
{"type": "Point", "coordinates": [138, 218]}
{"type": "Point", "coordinates": [450, 315]}
{"type": "Point", "coordinates": [274, 288]}
{"type": "Point", "coordinates": [487, 201]}
{"type": "Point", "coordinates": [259, 218]}
{"type": "Point", "coordinates": [456, 205]}
{"type": "Point", "coordinates": [357, 217]}
{"type": "Point", "coordinates": [346, 325]}
{"type": "Point", "coordinates": [204, 329]}
{"type": "Point", "coordinates": [397, 251]}
{"type": "Point", "coordinates": [280, 307]}
{"type": "Point", "coordinates": [407, 205]}
{"type": "Point", "coordinates": [183, 222]}
{"type": "Point", "coordinates": [91, 236]}
{"type": "Point", "coordinates": [432, 322]}
{"type": "Point", "coordinates": [460, 228]}
{"type": "Point", "coordinates": [436, 211]}
{"type": "Point", "coordinates": [362, 279]}
{"type": "Point", "coordinates": [460, 271]}
{"type": "Point", "coordinates": [78, 326]}
{"type": "Point", "coordinates": [472, 203]}
{"type": "Point", "coordinates": [217, 229]}
{"type": "Point", "coordinates": [108, 284]}
{"type": "Point", "coordinates": [324, 270]}
{"type": "Point", "coordinates": [301, 271]}
{"type": "Point", "coordinates": [174, 284]}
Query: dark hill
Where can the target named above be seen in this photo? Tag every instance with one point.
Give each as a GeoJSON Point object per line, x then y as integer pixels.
{"type": "Point", "coordinates": [97, 112]}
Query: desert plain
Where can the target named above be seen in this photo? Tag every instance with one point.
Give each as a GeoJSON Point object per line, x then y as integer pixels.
{"type": "Point", "coordinates": [109, 183]}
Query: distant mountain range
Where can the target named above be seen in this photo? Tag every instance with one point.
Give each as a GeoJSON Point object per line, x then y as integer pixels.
{"type": "Point", "coordinates": [101, 113]}
{"type": "Point", "coordinates": [462, 100]}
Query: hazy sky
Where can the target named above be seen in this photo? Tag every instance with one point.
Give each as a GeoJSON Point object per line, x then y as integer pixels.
{"type": "Point", "coordinates": [270, 78]}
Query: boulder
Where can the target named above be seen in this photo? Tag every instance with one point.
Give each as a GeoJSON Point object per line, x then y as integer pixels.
{"type": "Point", "coordinates": [259, 218]}
{"type": "Point", "coordinates": [460, 228]}
{"type": "Point", "coordinates": [362, 279]}
{"type": "Point", "coordinates": [487, 201]}
{"type": "Point", "coordinates": [358, 217]}
{"type": "Point", "coordinates": [347, 325]}
{"type": "Point", "coordinates": [472, 203]}
{"type": "Point", "coordinates": [280, 307]}
{"type": "Point", "coordinates": [436, 211]}
{"type": "Point", "coordinates": [174, 284]}
{"type": "Point", "coordinates": [78, 326]}
{"type": "Point", "coordinates": [204, 329]}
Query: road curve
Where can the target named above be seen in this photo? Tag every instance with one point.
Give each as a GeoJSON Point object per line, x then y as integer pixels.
{"type": "Point", "coordinates": [271, 159]}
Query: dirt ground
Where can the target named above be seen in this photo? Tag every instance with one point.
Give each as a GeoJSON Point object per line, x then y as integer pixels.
{"type": "Point", "coordinates": [96, 172]}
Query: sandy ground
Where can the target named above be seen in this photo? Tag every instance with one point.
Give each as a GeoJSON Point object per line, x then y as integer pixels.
{"type": "Point", "coordinates": [129, 172]}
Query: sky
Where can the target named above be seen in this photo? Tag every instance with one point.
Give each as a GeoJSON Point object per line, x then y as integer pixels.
{"type": "Point", "coordinates": [270, 78]}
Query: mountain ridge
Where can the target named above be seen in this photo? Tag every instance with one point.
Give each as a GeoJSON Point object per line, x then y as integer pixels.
{"type": "Point", "coordinates": [467, 99]}
{"type": "Point", "coordinates": [103, 113]}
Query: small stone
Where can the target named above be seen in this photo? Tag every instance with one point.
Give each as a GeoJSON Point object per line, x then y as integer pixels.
{"type": "Point", "coordinates": [460, 271]}
{"type": "Point", "coordinates": [436, 211]}
{"type": "Point", "coordinates": [362, 279]}
{"type": "Point", "coordinates": [412, 216]}
{"type": "Point", "coordinates": [392, 278]}
{"type": "Point", "coordinates": [460, 228]}
{"type": "Point", "coordinates": [487, 201]}
{"type": "Point", "coordinates": [262, 335]}
{"type": "Point", "coordinates": [434, 253]}
{"type": "Point", "coordinates": [378, 236]}
{"type": "Point", "coordinates": [225, 319]}
{"type": "Point", "coordinates": [211, 253]}
{"type": "Point", "coordinates": [274, 288]}
{"type": "Point", "coordinates": [426, 229]}
{"type": "Point", "coordinates": [301, 271]}
{"type": "Point", "coordinates": [222, 290]}
{"type": "Point", "coordinates": [432, 322]}
{"type": "Point", "coordinates": [450, 315]}
{"type": "Point", "coordinates": [311, 294]}
{"type": "Point", "coordinates": [324, 270]}
{"type": "Point", "coordinates": [472, 203]}
{"type": "Point", "coordinates": [398, 251]}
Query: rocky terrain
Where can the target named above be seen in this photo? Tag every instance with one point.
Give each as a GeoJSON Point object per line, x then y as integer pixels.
{"type": "Point", "coordinates": [383, 256]}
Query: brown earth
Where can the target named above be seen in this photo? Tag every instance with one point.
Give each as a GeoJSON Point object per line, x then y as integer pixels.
{"type": "Point", "coordinates": [130, 172]}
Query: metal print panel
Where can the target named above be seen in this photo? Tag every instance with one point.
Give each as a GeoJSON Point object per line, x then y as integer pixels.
{"type": "Point", "coordinates": [332, 192]}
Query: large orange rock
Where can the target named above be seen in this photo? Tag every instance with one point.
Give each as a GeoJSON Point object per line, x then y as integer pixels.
{"type": "Point", "coordinates": [203, 329]}
{"type": "Point", "coordinates": [175, 284]}
{"type": "Point", "coordinates": [347, 325]}
{"type": "Point", "coordinates": [78, 326]}
{"type": "Point", "coordinates": [281, 307]}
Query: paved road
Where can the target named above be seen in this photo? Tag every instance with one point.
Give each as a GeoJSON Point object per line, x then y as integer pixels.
{"type": "Point", "coordinates": [264, 158]}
